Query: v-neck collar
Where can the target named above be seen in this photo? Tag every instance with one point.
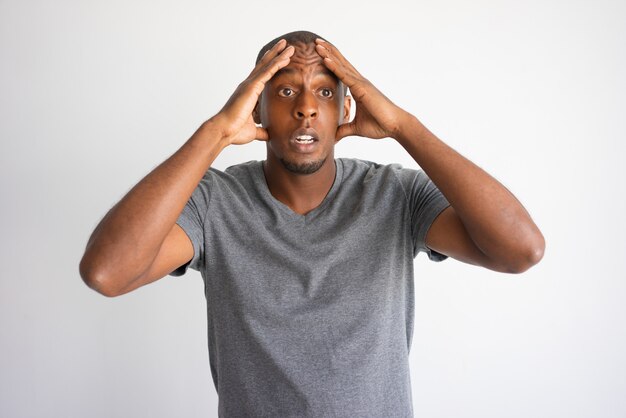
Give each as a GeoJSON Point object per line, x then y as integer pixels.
{"type": "Point", "coordinates": [259, 178]}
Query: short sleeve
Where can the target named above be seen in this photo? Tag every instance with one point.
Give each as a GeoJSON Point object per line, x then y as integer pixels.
{"type": "Point", "coordinates": [192, 219]}
{"type": "Point", "coordinates": [425, 202]}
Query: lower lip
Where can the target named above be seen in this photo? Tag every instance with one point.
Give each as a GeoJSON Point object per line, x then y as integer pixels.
{"type": "Point", "coordinates": [302, 147]}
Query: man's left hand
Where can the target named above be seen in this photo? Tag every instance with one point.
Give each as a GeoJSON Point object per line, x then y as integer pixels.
{"type": "Point", "coordinates": [376, 116]}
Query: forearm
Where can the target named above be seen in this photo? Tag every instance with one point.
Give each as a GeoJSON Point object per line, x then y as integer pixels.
{"type": "Point", "coordinates": [128, 238]}
{"type": "Point", "coordinates": [495, 220]}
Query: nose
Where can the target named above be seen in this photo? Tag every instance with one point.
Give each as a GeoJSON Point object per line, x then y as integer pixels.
{"type": "Point", "coordinates": [306, 106]}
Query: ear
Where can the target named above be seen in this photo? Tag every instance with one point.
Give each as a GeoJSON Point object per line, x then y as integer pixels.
{"type": "Point", "coordinates": [255, 114]}
{"type": "Point", "coordinates": [347, 103]}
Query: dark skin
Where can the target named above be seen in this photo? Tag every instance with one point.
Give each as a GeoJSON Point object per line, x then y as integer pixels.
{"type": "Point", "coordinates": [485, 224]}
{"type": "Point", "coordinates": [304, 97]}
{"type": "Point", "coordinates": [139, 242]}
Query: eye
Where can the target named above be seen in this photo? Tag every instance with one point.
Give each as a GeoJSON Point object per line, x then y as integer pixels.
{"type": "Point", "coordinates": [285, 92]}
{"type": "Point", "coordinates": [326, 92]}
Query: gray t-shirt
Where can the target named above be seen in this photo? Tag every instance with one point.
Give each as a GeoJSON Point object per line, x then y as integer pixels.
{"type": "Point", "coordinates": [311, 315]}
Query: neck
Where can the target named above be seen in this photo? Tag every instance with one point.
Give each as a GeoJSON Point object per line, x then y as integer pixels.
{"type": "Point", "coordinates": [301, 192]}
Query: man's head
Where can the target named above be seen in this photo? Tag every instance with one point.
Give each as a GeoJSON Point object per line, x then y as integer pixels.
{"type": "Point", "coordinates": [301, 108]}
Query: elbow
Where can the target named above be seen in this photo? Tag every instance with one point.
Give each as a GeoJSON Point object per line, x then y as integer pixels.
{"type": "Point", "coordinates": [98, 279]}
{"type": "Point", "coordinates": [529, 254]}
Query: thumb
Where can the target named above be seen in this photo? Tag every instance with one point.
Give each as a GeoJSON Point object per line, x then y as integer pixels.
{"type": "Point", "coordinates": [346, 129]}
{"type": "Point", "coordinates": [261, 134]}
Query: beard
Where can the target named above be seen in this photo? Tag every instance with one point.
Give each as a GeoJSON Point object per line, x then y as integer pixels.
{"type": "Point", "coordinates": [308, 167]}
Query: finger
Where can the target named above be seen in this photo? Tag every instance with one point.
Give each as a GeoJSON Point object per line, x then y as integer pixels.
{"type": "Point", "coordinates": [346, 74]}
{"type": "Point", "coordinates": [335, 67]}
{"type": "Point", "coordinates": [269, 55]}
{"type": "Point", "coordinates": [328, 47]}
{"type": "Point", "coordinates": [272, 67]}
{"type": "Point", "coordinates": [273, 51]}
{"type": "Point", "coordinates": [248, 92]}
{"type": "Point", "coordinates": [335, 55]}
{"type": "Point", "coordinates": [255, 83]}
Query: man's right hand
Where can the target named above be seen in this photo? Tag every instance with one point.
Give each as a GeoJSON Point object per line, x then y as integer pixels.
{"type": "Point", "coordinates": [235, 120]}
{"type": "Point", "coordinates": [138, 241]}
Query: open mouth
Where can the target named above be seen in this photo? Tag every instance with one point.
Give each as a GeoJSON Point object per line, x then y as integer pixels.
{"type": "Point", "coordinates": [305, 136]}
{"type": "Point", "coordinates": [305, 139]}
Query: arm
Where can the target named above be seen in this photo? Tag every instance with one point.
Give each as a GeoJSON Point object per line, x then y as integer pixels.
{"type": "Point", "coordinates": [138, 241]}
{"type": "Point", "coordinates": [485, 225]}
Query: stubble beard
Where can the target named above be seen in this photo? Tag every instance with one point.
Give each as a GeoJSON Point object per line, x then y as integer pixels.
{"type": "Point", "coordinates": [308, 167]}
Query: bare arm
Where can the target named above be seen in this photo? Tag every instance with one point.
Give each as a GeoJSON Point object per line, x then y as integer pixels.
{"type": "Point", "coordinates": [138, 241]}
{"type": "Point", "coordinates": [126, 243]}
{"type": "Point", "coordinates": [485, 225]}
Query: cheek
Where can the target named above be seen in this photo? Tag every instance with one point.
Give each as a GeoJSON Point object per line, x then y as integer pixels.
{"type": "Point", "coordinates": [269, 113]}
{"type": "Point", "coordinates": [333, 111]}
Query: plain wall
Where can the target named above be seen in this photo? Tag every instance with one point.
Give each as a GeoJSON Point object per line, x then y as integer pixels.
{"type": "Point", "coordinates": [93, 95]}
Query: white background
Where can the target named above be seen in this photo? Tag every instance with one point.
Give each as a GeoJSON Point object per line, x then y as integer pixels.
{"type": "Point", "coordinates": [93, 95]}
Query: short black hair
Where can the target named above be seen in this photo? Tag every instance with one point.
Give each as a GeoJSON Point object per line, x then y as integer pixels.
{"type": "Point", "coordinates": [300, 36]}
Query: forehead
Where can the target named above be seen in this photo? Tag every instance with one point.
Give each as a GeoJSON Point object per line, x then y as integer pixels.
{"type": "Point", "coordinates": [305, 54]}
{"type": "Point", "coordinates": [305, 61]}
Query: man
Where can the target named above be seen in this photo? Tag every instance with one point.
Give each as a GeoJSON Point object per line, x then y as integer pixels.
{"type": "Point", "coordinates": [308, 260]}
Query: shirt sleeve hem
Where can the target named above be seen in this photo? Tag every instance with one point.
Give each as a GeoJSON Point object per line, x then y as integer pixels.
{"type": "Point", "coordinates": [187, 227]}
{"type": "Point", "coordinates": [439, 206]}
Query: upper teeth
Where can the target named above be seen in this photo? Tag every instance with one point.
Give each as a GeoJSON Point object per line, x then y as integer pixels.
{"type": "Point", "coordinates": [304, 137]}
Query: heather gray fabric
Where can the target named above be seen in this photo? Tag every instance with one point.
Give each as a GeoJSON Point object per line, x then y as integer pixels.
{"type": "Point", "coordinates": [311, 316]}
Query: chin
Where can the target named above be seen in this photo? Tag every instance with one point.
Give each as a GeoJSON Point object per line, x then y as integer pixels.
{"type": "Point", "coordinates": [304, 168]}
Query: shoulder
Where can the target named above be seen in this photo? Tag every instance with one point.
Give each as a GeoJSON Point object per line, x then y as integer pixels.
{"type": "Point", "coordinates": [239, 173]}
{"type": "Point", "coordinates": [247, 169]}
{"type": "Point", "coordinates": [354, 166]}
{"type": "Point", "coordinates": [234, 180]}
{"type": "Point", "coordinates": [380, 173]}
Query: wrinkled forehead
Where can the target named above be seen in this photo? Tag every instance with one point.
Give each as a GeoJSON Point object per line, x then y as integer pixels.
{"type": "Point", "coordinates": [305, 54]}
{"type": "Point", "coordinates": [306, 61]}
